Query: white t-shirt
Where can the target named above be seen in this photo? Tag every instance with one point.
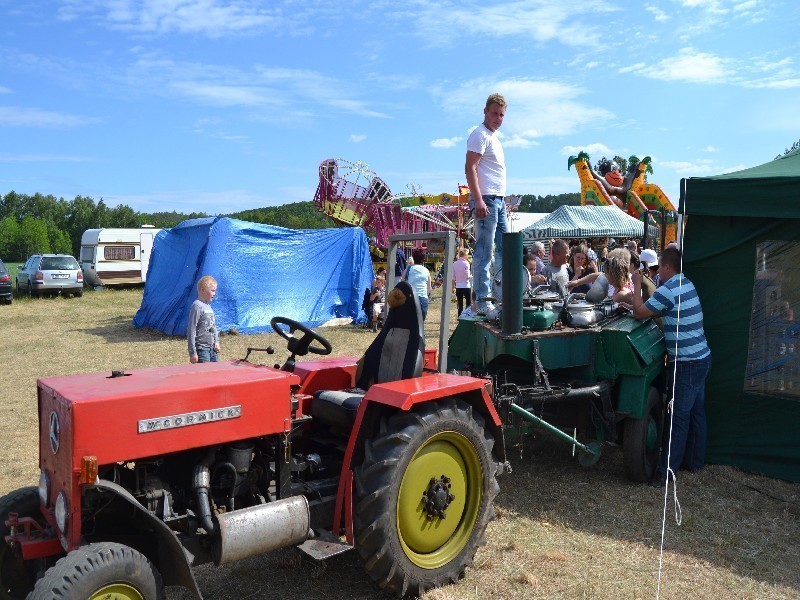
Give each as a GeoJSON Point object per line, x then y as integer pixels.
{"type": "Point", "coordinates": [417, 277]}
{"type": "Point", "coordinates": [492, 165]}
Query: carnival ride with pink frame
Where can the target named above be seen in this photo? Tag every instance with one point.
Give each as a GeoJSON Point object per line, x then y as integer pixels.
{"type": "Point", "coordinates": [350, 193]}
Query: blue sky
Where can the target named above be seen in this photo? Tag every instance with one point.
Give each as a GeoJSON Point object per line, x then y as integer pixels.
{"type": "Point", "coordinates": [223, 105]}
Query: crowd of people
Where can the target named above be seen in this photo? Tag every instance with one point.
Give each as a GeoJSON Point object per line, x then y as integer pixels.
{"type": "Point", "coordinates": [648, 285]}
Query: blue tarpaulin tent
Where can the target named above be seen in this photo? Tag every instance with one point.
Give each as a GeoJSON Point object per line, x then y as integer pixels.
{"type": "Point", "coordinates": [310, 275]}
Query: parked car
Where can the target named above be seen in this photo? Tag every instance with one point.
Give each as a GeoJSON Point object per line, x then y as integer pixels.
{"type": "Point", "coordinates": [50, 274]}
{"type": "Point", "coordinates": [5, 285]}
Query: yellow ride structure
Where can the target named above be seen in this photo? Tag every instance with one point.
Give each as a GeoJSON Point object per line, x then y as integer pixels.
{"type": "Point", "coordinates": [635, 195]}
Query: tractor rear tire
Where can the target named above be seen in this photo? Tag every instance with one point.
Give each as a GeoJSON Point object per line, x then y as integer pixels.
{"type": "Point", "coordinates": [641, 444]}
{"type": "Point", "coordinates": [17, 577]}
{"type": "Point", "coordinates": [101, 570]}
{"type": "Point", "coordinates": [440, 450]}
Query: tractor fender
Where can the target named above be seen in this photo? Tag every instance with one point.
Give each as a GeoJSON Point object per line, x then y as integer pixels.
{"type": "Point", "coordinates": [171, 560]}
{"type": "Point", "coordinates": [406, 393]}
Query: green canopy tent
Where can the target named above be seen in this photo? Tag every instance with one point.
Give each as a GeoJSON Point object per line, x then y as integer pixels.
{"type": "Point", "coordinates": [586, 222]}
{"type": "Point", "coordinates": [742, 251]}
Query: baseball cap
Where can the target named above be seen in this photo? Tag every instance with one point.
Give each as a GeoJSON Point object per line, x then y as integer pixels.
{"type": "Point", "coordinates": [649, 256]}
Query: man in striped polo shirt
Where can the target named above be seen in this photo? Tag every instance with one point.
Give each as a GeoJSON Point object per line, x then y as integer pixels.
{"type": "Point", "coordinates": [677, 301]}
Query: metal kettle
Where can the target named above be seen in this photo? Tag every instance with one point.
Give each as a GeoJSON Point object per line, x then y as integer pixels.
{"type": "Point", "coordinates": [577, 312]}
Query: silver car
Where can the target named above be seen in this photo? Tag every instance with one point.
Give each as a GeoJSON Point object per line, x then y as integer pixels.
{"type": "Point", "coordinates": [50, 274]}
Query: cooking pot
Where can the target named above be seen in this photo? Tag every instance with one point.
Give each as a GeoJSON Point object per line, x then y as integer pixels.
{"type": "Point", "coordinates": [579, 313]}
{"type": "Point", "coordinates": [538, 318]}
{"type": "Point", "coordinates": [541, 295]}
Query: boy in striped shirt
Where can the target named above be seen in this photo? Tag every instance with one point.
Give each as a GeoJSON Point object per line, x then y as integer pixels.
{"type": "Point", "coordinates": [677, 301]}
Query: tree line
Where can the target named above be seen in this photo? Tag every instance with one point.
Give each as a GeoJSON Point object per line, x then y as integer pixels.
{"type": "Point", "coordinates": [34, 224]}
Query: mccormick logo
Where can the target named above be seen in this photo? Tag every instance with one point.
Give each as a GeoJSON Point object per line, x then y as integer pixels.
{"type": "Point", "coordinates": [55, 433]}
{"type": "Point", "coordinates": [193, 418]}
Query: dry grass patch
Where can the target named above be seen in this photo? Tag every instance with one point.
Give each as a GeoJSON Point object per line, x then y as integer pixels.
{"type": "Point", "coordinates": [561, 532]}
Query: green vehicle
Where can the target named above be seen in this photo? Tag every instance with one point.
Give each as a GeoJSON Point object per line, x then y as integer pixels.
{"type": "Point", "coordinates": [586, 373]}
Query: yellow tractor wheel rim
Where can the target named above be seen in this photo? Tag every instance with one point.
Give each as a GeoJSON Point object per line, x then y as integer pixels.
{"type": "Point", "coordinates": [117, 591]}
{"type": "Point", "coordinates": [431, 543]}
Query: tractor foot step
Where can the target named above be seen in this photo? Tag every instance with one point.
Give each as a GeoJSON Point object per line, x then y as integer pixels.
{"type": "Point", "coordinates": [324, 546]}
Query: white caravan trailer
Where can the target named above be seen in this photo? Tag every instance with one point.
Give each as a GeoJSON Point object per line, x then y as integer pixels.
{"type": "Point", "coordinates": [116, 256]}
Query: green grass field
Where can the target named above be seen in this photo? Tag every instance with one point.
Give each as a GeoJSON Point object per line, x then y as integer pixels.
{"type": "Point", "coordinates": [562, 531]}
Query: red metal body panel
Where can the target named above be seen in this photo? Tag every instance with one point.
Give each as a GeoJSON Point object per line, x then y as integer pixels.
{"type": "Point", "coordinates": [406, 393]}
{"type": "Point", "coordinates": [430, 359]}
{"type": "Point", "coordinates": [402, 394]}
{"type": "Point", "coordinates": [333, 373]}
{"type": "Point", "coordinates": [105, 411]}
{"type": "Point", "coordinates": [99, 415]}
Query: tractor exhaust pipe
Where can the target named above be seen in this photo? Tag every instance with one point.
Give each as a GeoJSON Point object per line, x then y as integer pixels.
{"type": "Point", "coordinates": [511, 319]}
{"type": "Point", "coordinates": [262, 528]}
{"type": "Point", "coordinates": [201, 481]}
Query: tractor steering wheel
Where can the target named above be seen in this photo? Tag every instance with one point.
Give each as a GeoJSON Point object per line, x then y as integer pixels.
{"type": "Point", "coordinates": [300, 346]}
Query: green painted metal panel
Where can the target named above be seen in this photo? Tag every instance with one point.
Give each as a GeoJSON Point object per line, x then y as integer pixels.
{"type": "Point", "coordinates": [463, 344]}
{"type": "Point", "coordinates": [633, 391]}
{"type": "Point", "coordinates": [627, 346]}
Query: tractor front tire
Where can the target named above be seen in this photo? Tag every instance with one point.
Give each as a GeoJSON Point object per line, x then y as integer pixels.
{"type": "Point", "coordinates": [424, 495]}
{"type": "Point", "coordinates": [17, 576]}
{"type": "Point", "coordinates": [641, 442]}
{"type": "Point", "coordinates": [98, 571]}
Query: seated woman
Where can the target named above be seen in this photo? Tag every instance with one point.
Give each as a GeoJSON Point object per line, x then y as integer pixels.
{"type": "Point", "coordinates": [579, 268]}
{"type": "Point", "coordinates": [618, 273]}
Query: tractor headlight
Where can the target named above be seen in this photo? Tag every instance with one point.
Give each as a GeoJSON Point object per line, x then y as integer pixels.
{"type": "Point", "coordinates": [62, 510]}
{"type": "Point", "coordinates": [44, 488]}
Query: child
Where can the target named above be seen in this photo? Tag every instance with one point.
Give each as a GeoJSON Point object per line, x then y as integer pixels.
{"type": "Point", "coordinates": [202, 331]}
{"type": "Point", "coordinates": [378, 296]}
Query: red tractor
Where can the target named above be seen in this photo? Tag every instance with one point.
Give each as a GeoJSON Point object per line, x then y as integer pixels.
{"type": "Point", "coordinates": [147, 473]}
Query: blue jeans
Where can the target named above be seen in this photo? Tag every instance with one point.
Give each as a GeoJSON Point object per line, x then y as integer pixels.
{"type": "Point", "coordinates": [207, 355]}
{"type": "Point", "coordinates": [688, 416]}
{"type": "Point", "coordinates": [423, 305]}
{"type": "Point", "coordinates": [488, 240]}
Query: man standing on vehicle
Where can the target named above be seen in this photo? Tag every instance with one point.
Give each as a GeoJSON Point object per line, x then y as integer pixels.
{"type": "Point", "coordinates": [486, 177]}
{"type": "Point", "coordinates": [689, 361]}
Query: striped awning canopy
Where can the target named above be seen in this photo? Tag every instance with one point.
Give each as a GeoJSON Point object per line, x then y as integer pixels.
{"type": "Point", "coordinates": [587, 222]}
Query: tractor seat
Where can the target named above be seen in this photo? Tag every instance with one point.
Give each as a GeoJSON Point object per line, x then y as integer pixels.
{"type": "Point", "coordinates": [397, 352]}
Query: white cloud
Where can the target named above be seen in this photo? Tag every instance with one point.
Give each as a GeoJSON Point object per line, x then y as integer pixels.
{"type": "Point", "coordinates": [357, 138]}
{"type": "Point", "coordinates": [4, 90]}
{"type": "Point", "coordinates": [710, 148]}
{"type": "Point", "coordinates": [15, 116]}
{"type": "Point", "coordinates": [446, 142]}
{"type": "Point", "coordinates": [212, 18]}
{"type": "Point", "coordinates": [300, 93]}
{"type": "Point", "coordinates": [596, 149]}
{"type": "Point", "coordinates": [536, 109]}
{"type": "Point", "coordinates": [699, 17]}
{"type": "Point", "coordinates": [770, 73]}
{"type": "Point", "coordinates": [520, 140]}
{"type": "Point", "coordinates": [541, 186]}
{"type": "Point", "coordinates": [689, 66]}
{"type": "Point", "coordinates": [658, 14]}
{"type": "Point", "coordinates": [701, 166]}
{"type": "Point", "coordinates": [709, 5]}
{"type": "Point", "coordinates": [441, 23]}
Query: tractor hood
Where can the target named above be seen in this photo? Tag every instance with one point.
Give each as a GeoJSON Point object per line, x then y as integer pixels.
{"type": "Point", "coordinates": [125, 416]}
